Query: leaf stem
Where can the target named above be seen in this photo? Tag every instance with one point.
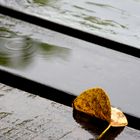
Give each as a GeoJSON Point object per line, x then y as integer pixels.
{"type": "Point", "coordinates": [100, 136]}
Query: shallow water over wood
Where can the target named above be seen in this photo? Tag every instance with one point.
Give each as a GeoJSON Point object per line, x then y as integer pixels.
{"type": "Point", "coordinates": [117, 20]}
{"type": "Point", "coordinates": [69, 64]}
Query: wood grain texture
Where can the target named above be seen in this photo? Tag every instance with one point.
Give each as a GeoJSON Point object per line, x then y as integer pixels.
{"type": "Point", "coordinates": [24, 116]}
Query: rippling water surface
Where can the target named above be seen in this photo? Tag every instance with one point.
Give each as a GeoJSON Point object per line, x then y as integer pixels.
{"type": "Point", "coordinates": [118, 20]}
{"type": "Point", "coordinates": [19, 50]}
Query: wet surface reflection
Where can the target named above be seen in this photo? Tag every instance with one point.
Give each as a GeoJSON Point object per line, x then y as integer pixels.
{"type": "Point", "coordinates": [68, 64]}
{"type": "Point", "coordinates": [21, 51]}
{"type": "Point", "coordinates": [116, 20]}
{"type": "Point", "coordinates": [41, 2]}
{"type": "Point", "coordinates": [96, 126]}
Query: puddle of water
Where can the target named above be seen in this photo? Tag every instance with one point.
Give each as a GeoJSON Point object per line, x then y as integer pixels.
{"type": "Point", "coordinates": [115, 20]}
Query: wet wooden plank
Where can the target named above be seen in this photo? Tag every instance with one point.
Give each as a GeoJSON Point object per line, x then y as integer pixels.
{"type": "Point", "coordinates": [24, 116]}
{"type": "Point", "coordinates": [103, 41]}
{"type": "Point", "coordinates": [105, 35]}
{"type": "Point", "coordinates": [41, 56]}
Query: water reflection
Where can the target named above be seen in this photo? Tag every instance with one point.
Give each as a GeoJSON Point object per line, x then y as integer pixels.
{"type": "Point", "coordinates": [42, 2]}
{"type": "Point", "coordinates": [19, 52]}
{"type": "Point", "coordinates": [116, 20]}
{"type": "Point", "coordinates": [96, 126]}
{"type": "Point", "coordinates": [4, 32]}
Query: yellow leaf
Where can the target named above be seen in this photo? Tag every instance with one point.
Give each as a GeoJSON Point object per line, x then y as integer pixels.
{"type": "Point", "coordinates": [94, 102]}
{"type": "Point", "coordinates": [118, 119]}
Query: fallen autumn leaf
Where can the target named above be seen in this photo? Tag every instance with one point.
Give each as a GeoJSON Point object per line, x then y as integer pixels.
{"type": "Point", "coordinates": [95, 102]}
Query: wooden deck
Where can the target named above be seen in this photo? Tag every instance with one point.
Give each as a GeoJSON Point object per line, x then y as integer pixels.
{"type": "Point", "coordinates": [69, 65]}
{"type": "Point", "coordinates": [24, 116]}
